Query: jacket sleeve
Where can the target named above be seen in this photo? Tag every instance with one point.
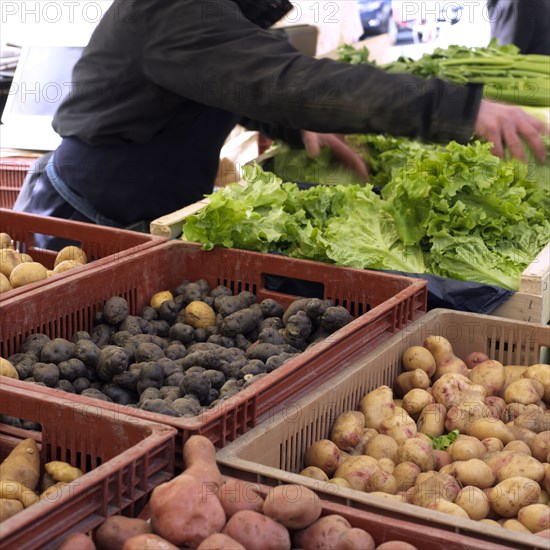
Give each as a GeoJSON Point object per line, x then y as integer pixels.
{"type": "Point", "coordinates": [210, 53]}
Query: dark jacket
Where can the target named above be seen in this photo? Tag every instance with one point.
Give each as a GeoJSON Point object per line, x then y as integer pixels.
{"type": "Point", "coordinates": [524, 23]}
{"type": "Point", "coordinates": [162, 83]}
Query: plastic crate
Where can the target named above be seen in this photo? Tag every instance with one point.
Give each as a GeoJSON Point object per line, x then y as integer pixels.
{"type": "Point", "coordinates": [13, 171]}
{"type": "Point", "coordinates": [273, 452]}
{"type": "Point", "coordinates": [383, 530]}
{"type": "Point", "coordinates": [101, 244]}
{"type": "Point", "coordinates": [123, 460]}
{"type": "Point", "coordinates": [382, 304]}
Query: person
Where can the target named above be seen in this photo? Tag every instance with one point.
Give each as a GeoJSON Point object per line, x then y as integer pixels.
{"type": "Point", "coordinates": [523, 23]}
{"type": "Point", "coordinates": [161, 84]}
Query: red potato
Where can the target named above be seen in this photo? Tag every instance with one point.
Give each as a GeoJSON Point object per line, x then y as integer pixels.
{"type": "Point", "coordinates": [356, 539]}
{"type": "Point", "coordinates": [78, 541]}
{"type": "Point", "coordinates": [186, 511]}
{"type": "Point", "coordinates": [294, 506]}
{"type": "Point", "coordinates": [199, 457]}
{"type": "Point", "coordinates": [238, 495]}
{"type": "Point", "coordinates": [148, 541]}
{"type": "Point", "coordinates": [475, 358]}
{"type": "Point", "coordinates": [396, 545]}
{"type": "Point", "coordinates": [254, 530]}
{"type": "Point", "coordinates": [115, 530]}
{"type": "Point", "coordinates": [219, 541]}
{"type": "Point", "coordinates": [324, 534]}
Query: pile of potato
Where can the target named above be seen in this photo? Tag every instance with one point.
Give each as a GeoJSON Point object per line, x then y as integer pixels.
{"type": "Point", "coordinates": [19, 269]}
{"type": "Point", "coordinates": [202, 510]}
{"type": "Point", "coordinates": [467, 437]}
{"type": "Point", "coordinates": [190, 349]}
{"type": "Point", "coordinates": [23, 482]}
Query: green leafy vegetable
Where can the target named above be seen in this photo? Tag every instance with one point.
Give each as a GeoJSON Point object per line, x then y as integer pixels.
{"type": "Point", "coordinates": [443, 441]}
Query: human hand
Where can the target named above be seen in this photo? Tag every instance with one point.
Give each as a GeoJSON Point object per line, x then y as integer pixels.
{"type": "Point", "coordinates": [505, 125]}
{"type": "Point", "coordinates": [340, 149]}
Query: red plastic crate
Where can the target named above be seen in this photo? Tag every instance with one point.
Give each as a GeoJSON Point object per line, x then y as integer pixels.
{"type": "Point", "coordinates": [382, 304]}
{"type": "Point", "coordinates": [101, 244]}
{"type": "Point", "coordinates": [123, 460]}
{"type": "Point", "coordinates": [13, 171]}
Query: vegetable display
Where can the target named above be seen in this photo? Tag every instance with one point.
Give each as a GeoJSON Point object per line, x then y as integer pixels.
{"type": "Point", "coordinates": [507, 75]}
{"type": "Point", "coordinates": [202, 509]}
{"type": "Point", "coordinates": [450, 210]}
{"type": "Point", "coordinates": [470, 439]}
{"type": "Point", "coordinates": [192, 349]}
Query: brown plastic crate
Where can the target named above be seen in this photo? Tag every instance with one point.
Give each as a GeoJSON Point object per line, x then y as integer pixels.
{"type": "Point", "coordinates": [13, 171]}
{"type": "Point", "coordinates": [123, 460]}
{"type": "Point", "coordinates": [273, 452]}
{"type": "Point", "coordinates": [382, 303]}
{"type": "Point", "coordinates": [101, 244]}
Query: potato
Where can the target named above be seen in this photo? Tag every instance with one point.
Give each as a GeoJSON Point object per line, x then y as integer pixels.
{"type": "Point", "coordinates": [514, 525]}
{"type": "Point", "coordinates": [453, 389]}
{"type": "Point", "coordinates": [9, 507]}
{"type": "Point", "coordinates": [409, 380]}
{"type": "Point", "coordinates": [490, 427]}
{"type": "Point", "coordinates": [9, 259]}
{"type": "Point", "coordinates": [7, 369]}
{"type": "Point", "coordinates": [518, 446]}
{"type": "Point", "coordinates": [512, 494]}
{"type": "Point", "coordinates": [199, 455]}
{"type": "Point", "coordinates": [14, 490]}
{"type": "Point", "coordinates": [492, 444]}
{"type": "Point", "coordinates": [437, 487]}
{"type": "Point", "coordinates": [22, 464]}
{"type": "Point", "coordinates": [323, 454]}
{"type": "Point", "coordinates": [199, 314]}
{"type": "Point", "coordinates": [79, 541]}
{"type": "Point", "coordinates": [27, 273]}
{"type": "Point", "coordinates": [186, 520]}
{"type": "Point", "coordinates": [536, 517]}
{"type": "Point", "coordinates": [540, 446]}
{"type": "Point", "coordinates": [474, 502]}
{"type": "Point", "coordinates": [544, 498]}
{"type": "Point", "coordinates": [496, 405]}
{"type": "Point", "coordinates": [314, 473]}
{"type": "Point", "coordinates": [382, 481]}
{"type": "Point", "coordinates": [387, 465]}
{"type": "Point", "coordinates": [356, 470]}
{"type": "Point", "coordinates": [4, 284]}
{"type": "Point", "coordinates": [541, 373]}
{"type": "Point", "coordinates": [347, 430]}
{"type": "Point", "coordinates": [535, 421]}
{"type": "Point", "coordinates": [512, 464]}
{"type": "Point", "coordinates": [415, 400]}
{"type": "Point", "coordinates": [293, 506]}
{"type": "Point", "coordinates": [418, 452]}
{"type": "Point", "coordinates": [398, 426]}
{"type": "Point", "coordinates": [325, 533]}
{"type": "Point", "coordinates": [461, 415]}
{"type": "Point", "coordinates": [381, 446]}
{"type": "Point", "coordinates": [445, 359]}
{"type": "Point", "coordinates": [405, 474]}
{"type": "Point", "coordinates": [66, 265]}
{"type": "Point", "coordinates": [73, 253]}
{"type": "Point", "coordinates": [376, 406]}
{"type": "Point", "coordinates": [465, 448]}
{"type": "Point", "coordinates": [366, 436]}
{"type": "Point", "coordinates": [418, 357]}
{"type": "Point", "coordinates": [474, 472]}
{"type": "Point", "coordinates": [238, 495]}
{"type": "Point", "coordinates": [147, 541]}
{"type": "Point", "coordinates": [448, 507]}
{"type": "Point", "coordinates": [53, 493]}
{"type": "Point", "coordinates": [489, 374]}
{"type": "Point", "coordinates": [491, 522]}
{"type": "Point", "coordinates": [158, 298]}
{"type": "Point", "coordinates": [112, 533]}
{"type": "Point", "coordinates": [523, 390]}
{"type": "Point", "coordinates": [61, 471]}
{"type": "Point", "coordinates": [254, 530]}
{"type": "Point", "coordinates": [432, 419]}
{"type": "Point", "coordinates": [442, 459]}
{"type": "Point", "coordinates": [5, 240]}
{"type": "Point", "coordinates": [219, 541]}
{"type": "Point", "coordinates": [356, 538]}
